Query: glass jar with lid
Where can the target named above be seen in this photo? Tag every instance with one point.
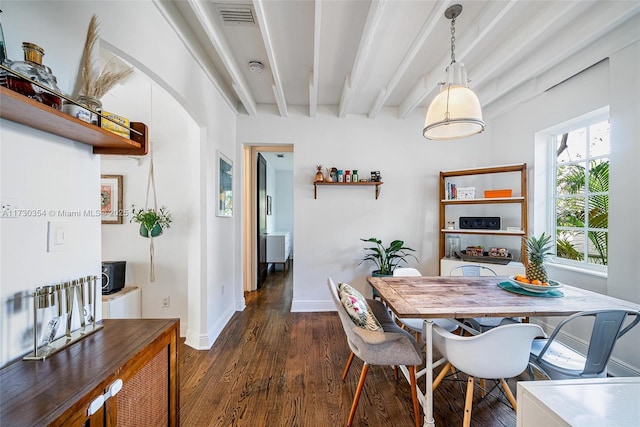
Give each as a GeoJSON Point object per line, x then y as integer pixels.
{"type": "Point", "coordinates": [452, 246]}
{"type": "Point", "coordinates": [32, 68]}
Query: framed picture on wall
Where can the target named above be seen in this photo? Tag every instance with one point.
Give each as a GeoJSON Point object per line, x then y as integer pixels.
{"type": "Point", "coordinates": [111, 199]}
{"type": "Point", "coordinates": [225, 186]}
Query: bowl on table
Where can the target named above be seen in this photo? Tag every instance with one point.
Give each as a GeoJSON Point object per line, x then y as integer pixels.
{"type": "Point", "coordinates": [551, 285]}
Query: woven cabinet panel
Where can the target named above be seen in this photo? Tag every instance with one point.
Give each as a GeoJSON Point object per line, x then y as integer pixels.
{"type": "Point", "coordinates": [144, 399]}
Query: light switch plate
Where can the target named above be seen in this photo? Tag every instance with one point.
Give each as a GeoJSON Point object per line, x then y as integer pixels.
{"type": "Point", "coordinates": [56, 236]}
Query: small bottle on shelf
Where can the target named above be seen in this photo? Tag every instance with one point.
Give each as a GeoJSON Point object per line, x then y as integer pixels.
{"type": "Point", "coordinates": [347, 176]}
{"type": "Point", "coordinates": [354, 176]}
{"type": "Point", "coordinates": [340, 175]}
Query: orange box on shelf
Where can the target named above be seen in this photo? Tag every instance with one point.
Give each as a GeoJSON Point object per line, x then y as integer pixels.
{"type": "Point", "coordinates": [492, 194]}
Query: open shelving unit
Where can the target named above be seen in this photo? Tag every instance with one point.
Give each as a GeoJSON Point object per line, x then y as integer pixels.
{"type": "Point", "coordinates": [21, 109]}
{"type": "Point", "coordinates": [521, 200]}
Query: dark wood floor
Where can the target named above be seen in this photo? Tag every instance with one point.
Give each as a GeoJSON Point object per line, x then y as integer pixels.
{"type": "Point", "coordinates": [270, 367]}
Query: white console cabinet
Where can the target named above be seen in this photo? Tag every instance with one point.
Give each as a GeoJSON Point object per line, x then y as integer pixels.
{"type": "Point", "coordinates": [511, 269]}
{"type": "Point", "coordinates": [279, 248]}
{"type": "Point", "coordinates": [124, 304]}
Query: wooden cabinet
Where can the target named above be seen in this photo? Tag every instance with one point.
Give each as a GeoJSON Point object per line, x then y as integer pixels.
{"type": "Point", "coordinates": [59, 391]}
{"type": "Point", "coordinates": [376, 185]}
{"type": "Point", "coordinates": [20, 109]}
{"type": "Point", "coordinates": [279, 248]}
{"type": "Point", "coordinates": [489, 178]}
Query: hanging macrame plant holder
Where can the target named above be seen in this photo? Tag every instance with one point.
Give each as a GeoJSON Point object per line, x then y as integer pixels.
{"type": "Point", "coordinates": [156, 230]}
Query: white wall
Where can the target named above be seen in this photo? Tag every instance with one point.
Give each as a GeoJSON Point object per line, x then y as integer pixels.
{"type": "Point", "coordinates": [613, 82]}
{"type": "Point", "coordinates": [327, 231]}
{"type": "Point", "coordinates": [169, 128]}
{"type": "Point", "coordinates": [213, 273]}
{"type": "Point", "coordinates": [38, 171]}
{"type": "Point", "coordinates": [283, 203]}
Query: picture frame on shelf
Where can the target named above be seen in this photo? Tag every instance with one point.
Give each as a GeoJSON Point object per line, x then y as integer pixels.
{"type": "Point", "coordinates": [111, 210]}
{"type": "Point", "coordinates": [224, 206]}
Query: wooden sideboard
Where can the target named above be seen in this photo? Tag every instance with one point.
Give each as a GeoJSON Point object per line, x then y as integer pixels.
{"type": "Point", "coordinates": [58, 391]}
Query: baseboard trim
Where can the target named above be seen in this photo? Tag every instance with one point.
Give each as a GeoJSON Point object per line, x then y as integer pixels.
{"type": "Point", "coordinates": [312, 306]}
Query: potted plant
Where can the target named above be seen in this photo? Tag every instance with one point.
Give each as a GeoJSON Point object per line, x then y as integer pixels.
{"type": "Point", "coordinates": [386, 259]}
{"type": "Point", "coordinates": [152, 221]}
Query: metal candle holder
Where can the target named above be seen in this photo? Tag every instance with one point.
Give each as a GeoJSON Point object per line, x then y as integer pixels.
{"type": "Point", "coordinates": [85, 293]}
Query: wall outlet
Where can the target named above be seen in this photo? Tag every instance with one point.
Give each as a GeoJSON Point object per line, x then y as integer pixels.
{"type": "Point", "coordinates": [166, 302]}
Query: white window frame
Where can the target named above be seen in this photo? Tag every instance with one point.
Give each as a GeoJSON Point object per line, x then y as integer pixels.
{"type": "Point", "coordinates": [545, 195]}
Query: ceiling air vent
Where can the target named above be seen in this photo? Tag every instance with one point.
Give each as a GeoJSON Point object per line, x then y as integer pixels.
{"type": "Point", "coordinates": [236, 14]}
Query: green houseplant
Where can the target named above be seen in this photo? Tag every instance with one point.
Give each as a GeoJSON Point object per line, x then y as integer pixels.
{"type": "Point", "coordinates": [386, 259]}
{"type": "Point", "coordinates": [152, 221]}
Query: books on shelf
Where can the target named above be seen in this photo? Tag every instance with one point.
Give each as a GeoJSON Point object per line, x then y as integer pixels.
{"type": "Point", "coordinates": [453, 192]}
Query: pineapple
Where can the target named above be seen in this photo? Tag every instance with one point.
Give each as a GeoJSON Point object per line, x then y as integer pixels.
{"type": "Point", "coordinates": [538, 249]}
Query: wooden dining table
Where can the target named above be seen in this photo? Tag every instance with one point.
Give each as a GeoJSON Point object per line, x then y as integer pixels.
{"type": "Point", "coordinates": [457, 297]}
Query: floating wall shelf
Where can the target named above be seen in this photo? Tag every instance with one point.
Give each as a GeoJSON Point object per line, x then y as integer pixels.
{"type": "Point", "coordinates": [21, 109]}
{"type": "Point", "coordinates": [347, 184]}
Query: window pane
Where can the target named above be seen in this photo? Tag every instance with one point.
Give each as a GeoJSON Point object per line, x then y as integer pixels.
{"type": "Point", "coordinates": [570, 245]}
{"type": "Point", "coordinates": [570, 212]}
{"type": "Point", "coordinates": [599, 211]}
{"type": "Point", "coordinates": [599, 144]}
{"type": "Point", "coordinates": [575, 147]}
{"type": "Point", "coordinates": [571, 179]}
{"type": "Point", "coordinates": [598, 247]}
{"type": "Point", "coordinates": [599, 175]}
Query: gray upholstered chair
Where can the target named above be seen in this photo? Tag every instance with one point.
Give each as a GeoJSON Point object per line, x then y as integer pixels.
{"type": "Point", "coordinates": [390, 345]}
{"type": "Point", "coordinates": [560, 362]}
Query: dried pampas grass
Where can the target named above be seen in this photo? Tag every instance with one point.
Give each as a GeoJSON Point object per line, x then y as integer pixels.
{"type": "Point", "coordinates": [94, 85]}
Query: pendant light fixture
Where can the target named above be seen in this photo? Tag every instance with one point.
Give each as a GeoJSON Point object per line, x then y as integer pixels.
{"type": "Point", "coordinates": [455, 112]}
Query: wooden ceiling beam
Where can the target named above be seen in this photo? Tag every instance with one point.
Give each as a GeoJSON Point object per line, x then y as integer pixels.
{"type": "Point", "coordinates": [278, 91]}
{"type": "Point", "coordinates": [364, 48]}
{"type": "Point", "coordinates": [221, 46]}
{"type": "Point", "coordinates": [313, 78]}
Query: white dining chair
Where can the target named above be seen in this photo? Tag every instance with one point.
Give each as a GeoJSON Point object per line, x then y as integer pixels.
{"type": "Point", "coordinates": [481, 324]}
{"type": "Point", "coordinates": [502, 352]}
{"type": "Point", "coordinates": [416, 324]}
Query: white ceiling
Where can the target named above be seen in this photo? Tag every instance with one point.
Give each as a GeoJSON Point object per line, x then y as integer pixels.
{"type": "Point", "coordinates": [358, 57]}
{"type": "Point", "coordinates": [279, 161]}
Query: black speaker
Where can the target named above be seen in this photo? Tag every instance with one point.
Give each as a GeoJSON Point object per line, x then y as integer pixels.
{"type": "Point", "coordinates": [480, 222]}
{"type": "Point", "coordinates": [113, 273]}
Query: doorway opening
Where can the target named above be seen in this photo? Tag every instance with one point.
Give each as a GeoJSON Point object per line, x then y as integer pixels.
{"type": "Point", "coordinates": [268, 212]}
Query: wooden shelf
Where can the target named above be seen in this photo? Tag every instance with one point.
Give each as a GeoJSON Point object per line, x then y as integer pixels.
{"type": "Point", "coordinates": [21, 109]}
{"type": "Point", "coordinates": [483, 201]}
{"type": "Point", "coordinates": [521, 169]}
{"type": "Point", "coordinates": [347, 184]}
{"type": "Point", "coordinates": [476, 231]}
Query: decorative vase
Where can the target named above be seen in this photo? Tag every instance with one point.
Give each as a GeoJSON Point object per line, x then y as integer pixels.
{"type": "Point", "coordinates": [319, 176]}
{"type": "Point", "coordinates": [328, 177]}
{"type": "Point", "coordinates": [155, 231]}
